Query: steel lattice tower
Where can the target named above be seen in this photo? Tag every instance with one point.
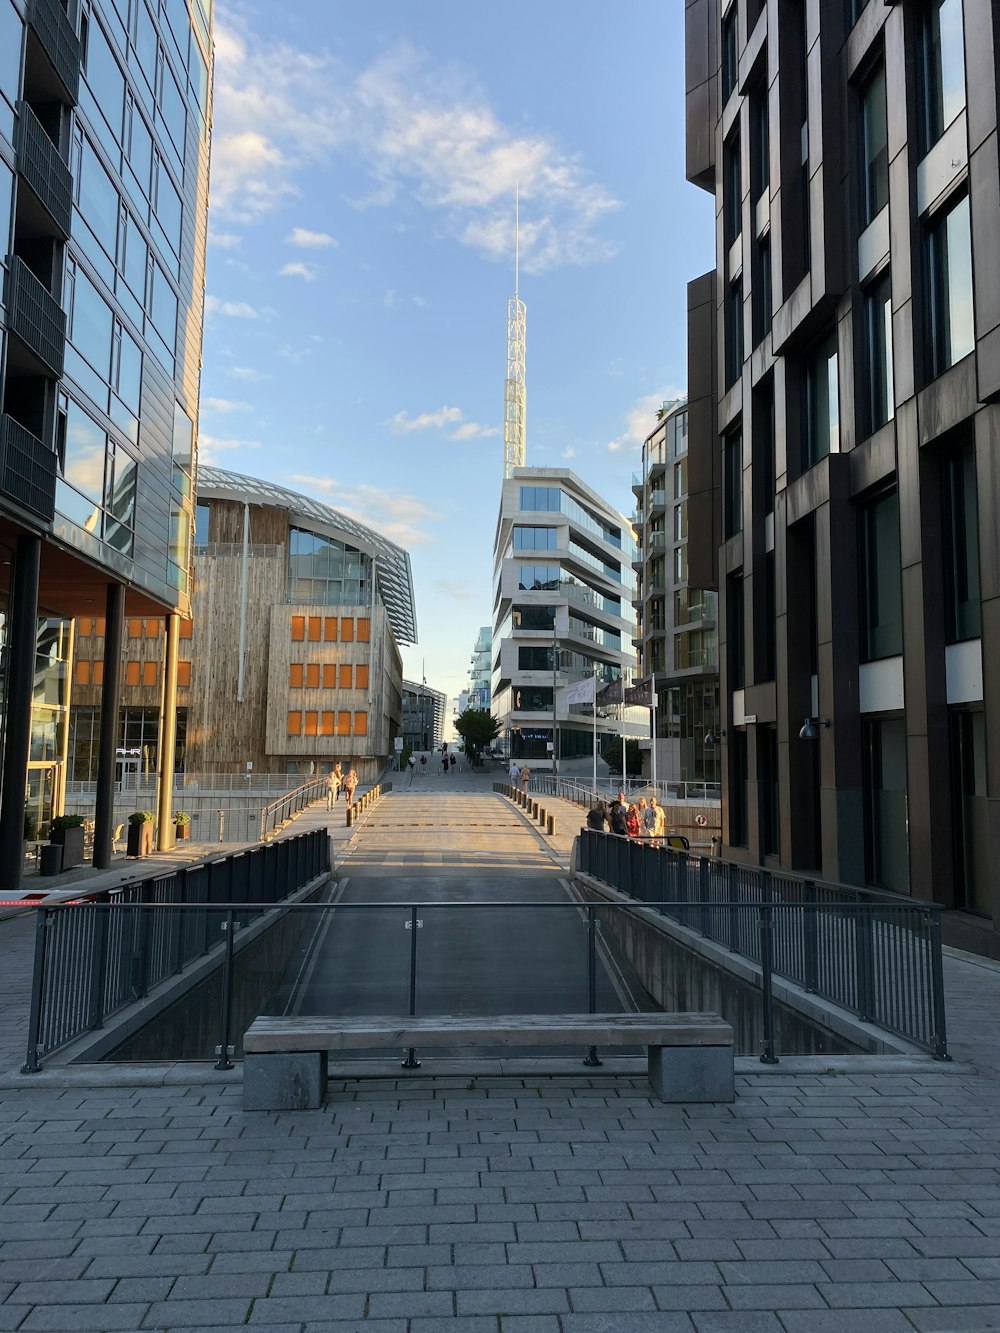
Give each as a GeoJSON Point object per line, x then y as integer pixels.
{"type": "Point", "coordinates": [514, 393]}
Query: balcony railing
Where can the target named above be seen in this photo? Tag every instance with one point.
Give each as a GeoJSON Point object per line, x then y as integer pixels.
{"type": "Point", "coordinates": [657, 498]}
{"type": "Point", "coordinates": [60, 43]}
{"type": "Point", "coordinates": [35, 316]}
{"type": "Point", "coordinates": [27, 469]}
{"type": "Point", "coordinates": [43, 169]}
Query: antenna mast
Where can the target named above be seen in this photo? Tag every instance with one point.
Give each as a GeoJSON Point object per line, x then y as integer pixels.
{"type": "Point", "coordinates": [514, 395]}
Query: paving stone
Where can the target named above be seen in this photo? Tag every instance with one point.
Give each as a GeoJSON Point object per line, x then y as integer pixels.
{"type": "Point", "coordinates": [61, 1318]}
{"type": "Point", "coordinates": [300, 1309]}
{"type": "Point", "coordinates": [643, 1322]}
{"type": "Point", "coordinates": [530, 1300]}
{"type": "Point", "coordinates": [411, 1304]}
{"type": "Point", "coordinates": [478, 1276]}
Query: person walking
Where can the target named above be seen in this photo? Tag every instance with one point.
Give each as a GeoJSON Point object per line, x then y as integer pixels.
{"type": "Point", "coordinates": [452, 761]}
{"type": "Point", "coordinates": [649, 818]}
{"type": "Point", "coordinates": [333, 781]}
{"type": "Point", "coordinates": [632, 822]}
{"type": "Point", "coordinates": [350, 786]}
{"type": "Point", "coordinates": [597, 817]}
{"type": "Point", "coordinates": [515, 773]}
{"type": "Point", "coordinates": [444, 764]}
{"type": "Point", "coordinates": [618, 824]}
{"type": "Point", "coordinates": [423, 764]}
{"type": "Point", "coordinates": [661, 824]}
{"type": "Point", "coordinates": [525, 777]}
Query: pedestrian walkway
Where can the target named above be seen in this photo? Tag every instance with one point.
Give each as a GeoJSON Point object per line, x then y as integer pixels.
{"type": "Point", "coordinates": [818, 1202]}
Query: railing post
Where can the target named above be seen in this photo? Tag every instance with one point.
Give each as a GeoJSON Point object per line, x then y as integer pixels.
{"type": "Point", "coordinates": [411, 1061]}
{"type": "Point", "coordinates": [937, 987]}
{"type": "Point", "coordinates": [143, 932]}
{"type": "Point", "coordinates": [227, 992]}
{"type": "Point", "coordinates": [31, 1065]}
{"type": "Point", "coordinates": [731, 896]}
{"type": "Point", "coordinates": [592, 1060]}
{"type": "Point", "coordinates": [98, 964]}
{"type": "Point", "coordinates": [765, 911]}
{"type": "Point", "coordinates": [810, 935]}
{"type": "Point", "coordinates": [704, 870]}
{"type": "Point", "coordinates": [864, 959]}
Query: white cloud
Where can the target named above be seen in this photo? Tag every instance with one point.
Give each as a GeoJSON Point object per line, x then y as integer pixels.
{"type": "Point", "coordinates": [427, 132]}
{"type": "Point", "coordinates": [402, 423]}
{"type": "Point", "coordinates": [420, 301]}
{"type": "Point", "coordinates": [310, 240]}
{"type": "Point", "coordinates": [307, 272]}
{"type": "Point", "coordinates": [393, 514]}
{"type": "Point", "coordinates": [296, 355]}
{"type": "Point", "coordinates": [231, 309]}
{"type": "Point", "coordinates": [211, 446]}
{"type": "Point", "coordinates": [569, 452]}
{"type": "Point", "coordinates": [640, 419]}
{"type": "Point", "coordinates": [225, 405]}
{"type": "Point", "coordinates": [472, 430]}
{"type": "Point", "coordinates": [248, 374]}
{"type": "Point", "coordinates": [462, 589]}
{"type": "Point", "coordinates": [391, 300]}
{"type": "Point", "coordinates": [224, 240]}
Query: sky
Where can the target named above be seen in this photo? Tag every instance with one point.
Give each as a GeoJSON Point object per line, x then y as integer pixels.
{"type": "Point", "coordinates": [361, 229]}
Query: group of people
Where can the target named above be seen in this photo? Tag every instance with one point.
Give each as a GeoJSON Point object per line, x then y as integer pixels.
{"type": "Point", "coordinates": [449, 762]}
{"type": "Point", "coordinates": [520, 775]}
{"type": "Point", "coordinates": [338, 781]}
{"type": "Point", "coordinates": [641, 819]}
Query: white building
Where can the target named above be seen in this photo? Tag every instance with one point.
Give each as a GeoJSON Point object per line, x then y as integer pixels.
{"type": "Point", "coordinates": [563, 586]}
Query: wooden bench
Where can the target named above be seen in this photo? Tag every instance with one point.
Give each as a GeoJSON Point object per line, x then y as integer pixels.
{"type": "Point", "coordinates": [690, 1056]}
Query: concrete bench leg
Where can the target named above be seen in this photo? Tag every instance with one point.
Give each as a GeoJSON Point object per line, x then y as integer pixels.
{"type": "Point", "coordinates": [692, 1073]}
{"type": "Point", "coordinates": [284, 1081]}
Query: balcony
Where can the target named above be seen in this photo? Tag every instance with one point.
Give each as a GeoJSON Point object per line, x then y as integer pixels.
{"type": "Point", "coordinates": [44, 172]}
{"type": "Point", "coordinates": [27, 469]}
{"type": "Point", "coordinates": [35, 317]}
{"type": "Point", "coordinates": [657, 499]}
{"type": "Point", "coordinates": [50, 23]}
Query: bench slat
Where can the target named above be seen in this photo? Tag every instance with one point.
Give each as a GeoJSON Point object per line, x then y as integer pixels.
{"type": "Point", "coordinates": [325, 1032]}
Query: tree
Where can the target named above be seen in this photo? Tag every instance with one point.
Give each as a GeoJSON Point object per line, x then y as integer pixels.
{"type": "Point", "coordinates": [611, 751]}
{"type": "Point", "coordinates": [478, 729]}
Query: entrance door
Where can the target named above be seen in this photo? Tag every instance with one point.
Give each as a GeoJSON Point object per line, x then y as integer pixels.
{"type": "Point", "coordinates": [40, 796]}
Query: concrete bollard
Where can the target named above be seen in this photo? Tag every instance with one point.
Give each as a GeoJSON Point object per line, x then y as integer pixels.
{"type": "Point", "coordinates": [551, 825]}
{"type": "Point", "coordinates": [350, 815]}
{"type": "Point", "coordinates": [541, 815]}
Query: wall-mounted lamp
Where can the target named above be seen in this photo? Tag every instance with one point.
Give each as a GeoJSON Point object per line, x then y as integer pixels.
{"type": "Point", "coordinates": [712, 738]}
{"type": "Point", "coordinates": [808, 731]}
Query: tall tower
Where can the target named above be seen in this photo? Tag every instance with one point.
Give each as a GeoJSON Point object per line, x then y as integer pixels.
{"type": "Point", "coordinates": [513, 397]}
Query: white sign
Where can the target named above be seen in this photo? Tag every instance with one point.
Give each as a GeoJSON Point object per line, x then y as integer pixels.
{"type": "Point", "coordinates": [249, 765]}
{"type": "Point", "coordinates": [398, 743]}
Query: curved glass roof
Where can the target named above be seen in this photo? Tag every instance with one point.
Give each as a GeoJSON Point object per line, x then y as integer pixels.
{"type": "Point", "coordinates": [392, 563]}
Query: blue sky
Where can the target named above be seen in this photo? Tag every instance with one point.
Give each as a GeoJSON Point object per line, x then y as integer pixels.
{"type": "Point", "coordinates": [360, 260]}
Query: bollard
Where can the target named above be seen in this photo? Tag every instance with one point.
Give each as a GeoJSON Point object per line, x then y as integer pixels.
{"type": "Point", "coordinates": [540, 814]}
{"type": "Point", "coordinates": [350, 815]}
{"type": "Point", "coordinates": [551, 825]}
{"type": "Point", "coordinates": [534, 809]}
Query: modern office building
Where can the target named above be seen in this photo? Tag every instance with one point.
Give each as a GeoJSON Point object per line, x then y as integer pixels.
{"type": "Point", "coordinates": [481, 671]}
{"type": "Point", "coordinates": [291, 659]}
{"type": "Point", "coordinates": [105, 110]}
{"type": "Point", "coordinates": [422, 725]}
{"type": "Point", "coordinates": [676, 631]}
{"type": "Point", "coordinates": [563, 592]}
{"type": "Point", "coordinates": [852, 152]}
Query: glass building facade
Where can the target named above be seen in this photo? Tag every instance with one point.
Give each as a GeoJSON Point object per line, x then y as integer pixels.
{"type": "Point", "coordinates": [105, 108]}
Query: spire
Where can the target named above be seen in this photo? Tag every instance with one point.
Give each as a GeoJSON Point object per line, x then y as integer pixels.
{"type": "Point", "coordinates": [514, 390]}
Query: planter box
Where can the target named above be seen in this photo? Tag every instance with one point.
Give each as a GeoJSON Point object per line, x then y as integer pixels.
{"type": "Point", "coordinates": [140, 840]}
{"type": "Point", "coordinates": [50, 860]}
{"type": "Point", "coordinates": [71, 841]}
{"type": "Point", "coordinates": [182, 831]}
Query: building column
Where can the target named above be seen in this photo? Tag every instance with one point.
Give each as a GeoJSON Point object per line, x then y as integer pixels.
{"type": "Point", "coordinates": [167, 742]}
{"type": "Point", "coordinates": [22, 637]}
{"type": "Point", "coordinates": [104, 809]}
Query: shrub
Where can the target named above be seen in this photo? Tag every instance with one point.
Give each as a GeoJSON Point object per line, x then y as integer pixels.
{"type": "Point", "coordinates": [141, 817]}
{"type": "Point", "coordinates": [182, 817]}
{"type": "Point", "coordinates": [66, 821]}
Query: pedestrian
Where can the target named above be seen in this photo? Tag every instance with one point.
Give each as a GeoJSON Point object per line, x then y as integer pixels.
{"type": "Point", "coordinates": [444, 762]}
{"type": "Point", "coordinates": [333, 782]}
{"type": "Point", "coordinates": [452, 761]}
{"type": "Point", "coordinates": [350, 785]}
{"type": "Point", "coordinates": [597, 817]}
{"type": "Point", "coordinates": [515, 773]}
{"type": "Point", "coordinates": [632, 823]}
{"type": "Point", "coordinates": [525, 777]}
{"type": "Point", "coordinates": [650, 817]}
{"type": "Point", "coordinates": [423, 764]}
{"type": "Point", "coordinates": [618, 824]}
{"type": "Point", "coordinates": [643, 806]}
{"type": "Point", "coordinates": [661, 824]}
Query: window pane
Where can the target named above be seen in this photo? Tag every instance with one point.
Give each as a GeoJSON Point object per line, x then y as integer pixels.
{"type": "Point", "coordinates": [85, 454]}
{"type": "Point", "coordinates": [11, 29]}
{"type": "Point", "coordinates": [943, 60]}
{"type": "Point", "coordinates": [98, 200]}
{"type": "Point", "coordinates": [105, 78]}
{"type": "Point", "coordinates": [312, 675]}
{"type": "Point", "coordinates": [346, 673]}
{"type": "Point", "coordinates": [92, 324]}
{"type": "Point", "coordinates": [882, 610]}
{"type": "Point", "coordinates": [949, 272]}
{"type": "Point", "coordinates": [822, 403]}
{"type": "Point", "coordinates": [874, 148]}
{"type": "Point", "coordinates": [129, 385]}
{"type": "Point", "coordinates": [295, 676]}
{"type": "Point", "coordinates": [961, 527]}
{"type": "Point", "coordinates": [295, 724]}
{"type": "Point", "coordinates": [878, 353]}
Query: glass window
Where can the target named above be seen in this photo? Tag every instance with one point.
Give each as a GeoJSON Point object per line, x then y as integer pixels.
{"type": "Point", "coordinates": [174, 110]}
{"type": "Point", "coordinates": [312, 675]}
{"type": "Point", "coordinates": [760, 146]}
{"type": "Point", "coordinates": [298, 628]}
{"type": "Point", "coordinates": [734, 332]}
{"type": "Point", "coordinates": [730, 54]}
{"type": "Point", "coordinates": [11, 31]}
{"type": "Point", "coordinates": [106, 80]}
{"type": "Point", "coordinates": [963, 610]}
{"type": "Point", "coordinates": [736, 637]}
{"type": "Point", "coordinates": [739, 804]}
{"type": "Point", "coordinates": [874, 147]}
{"type": "Point", "coordinates": [763, 293]}
{"type": "Point", "coordinates": [98, 200]}
{"type": "Point", "coordinates": [135, 259]}
{"type": "Point", "coordinates": [140, 150]}
{"type": "Point", "coordinates": [6, 200]}
{"type": "Point", "coordinates": [361, 676]}
{"type": "Point", "coordinates": [168, 207]}
{"type": "Point", "coordinates": [942, 62]}
{"type": "Point", "coordinates": [949, 287]}
{"type": "Point", "coordinates": [364, 629]}
{"type": "Point", "coordinates": [732, 199]}
{"type": "Point", "coordinates": [877, 364]}
{"type": "Point", "coordinates": [346, 676]}
{"type": "Point", "coordinates": [881, 593]}
{"type": "Point", "coordinates": [128, 371]}
{"type": "Point", "coordinates": [886, 851]}
{"type": "Point", "coordinates": [163, 307]}
{"type": "Point", "coordinates": [86, 450]}
{"type": "Point", "coordinates": [295, 723]}
{"type": "Point", "coordinates": [733, 482]}
{"type": "Point", "coordinates": [346, 629]}
{"type": "Point", "coordinates": [146, 46]}
{"type": "Point", "coordinates": [91, 323]}
{"type": "Point", "coordinates": [120, 522]}
{"type": "Point", "coordinates": [361, 724]}
{"type": "Point", "coordinates": [821, 434]}
{"type": "Point", "coordinates": [970, 812]}
{"type": "Point", "coordinates": [343, 724]}
{"type": "Point", "coordinates": [535, 539]}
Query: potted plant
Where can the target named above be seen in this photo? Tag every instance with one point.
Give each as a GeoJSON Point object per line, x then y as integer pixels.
{"type": "Point", "coordinates": [140, 833]}
{"type": "Point", "coordinates": [67, 830]}
{"type": "Point", "coordinates": [182, 825]}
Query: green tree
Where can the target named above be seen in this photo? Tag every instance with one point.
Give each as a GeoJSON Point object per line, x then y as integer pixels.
{"type": "Point", "coordinates": [611, 751]}
{"type": "Point", "coordinates": [478, 729]}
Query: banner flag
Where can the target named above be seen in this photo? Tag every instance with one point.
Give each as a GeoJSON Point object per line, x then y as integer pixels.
{"type": "Point", "coordinates": [581, 691]}
{"type": "Point", "coordinates": [612, 694]}
{"type": "Point", "coordinates": [641, 694]}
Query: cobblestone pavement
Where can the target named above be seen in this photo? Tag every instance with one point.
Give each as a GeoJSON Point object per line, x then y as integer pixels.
{"type": "Point", "coordinates": [817, 1202]}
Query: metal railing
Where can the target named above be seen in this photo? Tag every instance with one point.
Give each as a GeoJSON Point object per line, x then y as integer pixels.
{"type": "Point", "coordinates": [94, 958]}
{"type": "Point", "coordinates": [876, 956]}
{"type": "Point", "coordinates": [273, 816]}
{"type": "Point", "coordinates": [268, 783]}
{"type": "Point", "coordinates": [584, 793]}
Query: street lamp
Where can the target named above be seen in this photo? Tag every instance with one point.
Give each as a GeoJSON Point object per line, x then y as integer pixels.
{"type": "Point", "coordinates": [808, 731]}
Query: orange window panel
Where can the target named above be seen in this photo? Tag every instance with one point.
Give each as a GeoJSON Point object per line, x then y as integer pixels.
{"type": "Point", "coordinates": [135, 629]}
{"type": "Point", "coordinates": [343, 724]}
{"type": "Point", "coordinates": [330, 629]}
{"type": "Point", "coordinates": [85, 627]}
{"type": "Point", "coordinates": [132, 673]}
{"type": "Point", "coordinates": [315, 628]}
{"type": "Point", "coordinates": [153, 629]}
{"type": "Point", "coordinates": [82, 673]}
{"type": "Point", "coordinates": [361, 676]}
{"type": "Point", "coordinates": [312, 723]}
{"type": "Point", "coordinates": [347, 629]}
{"type": "Point", "coordinates": [183, 673]}
{"type": "Point", "coordinates": [329, 675]}
{"type": "Point", "coordinates": [361, 724]}
{"type": "Point", "coordinates": [326, 724]}
{"type": "Point", "coordinates": [312, 675]}
{"type": "Point", "coordinates": [298, 628]}
{"type": "Point", "coordinates": [99, 627]}
{"type": "Point", "coordinates": [150, 673]}
{"type": "Point", "coordinates": [364, 629]}
{"type": "Point", "coordinates": [295, 676]}
{"type": "Point", "coordinates": [97, 673]}
{"type": "Point", "coordinates": [187, 627]}
{"type": "Point", "coordinates": [295, 724]}
{"type": "Point", "coordinates": [346, 672]}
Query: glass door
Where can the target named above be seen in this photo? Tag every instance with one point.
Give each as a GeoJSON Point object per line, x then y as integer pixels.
{"type": "Point", "coordinates": [39, 799]}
